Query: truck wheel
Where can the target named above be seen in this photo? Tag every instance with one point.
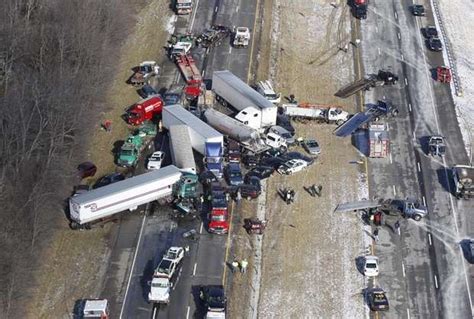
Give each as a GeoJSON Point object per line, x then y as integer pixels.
{"type": "Point", "coordinates": [417, 218]}
{"type": "Point", "coordinates": [339, 122]}
{"type": "Point", "coordinates": [74, 225]}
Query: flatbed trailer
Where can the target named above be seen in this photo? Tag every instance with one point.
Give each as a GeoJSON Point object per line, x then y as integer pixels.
{"type": "Point", "coordinates": [191, 75]}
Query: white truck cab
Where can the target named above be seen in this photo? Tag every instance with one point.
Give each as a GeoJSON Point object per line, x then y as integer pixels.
{"type": "Point", "coordinates": [160, 288]}
{"type": "Point", "coordinates": [265, 88]}
{"type": "Point", "coordinates": [251, 117]}
{"type": "Point", "coordinates": [98, 308]}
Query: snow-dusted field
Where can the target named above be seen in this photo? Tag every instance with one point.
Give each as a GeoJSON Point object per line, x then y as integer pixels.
{"type": "Point", "coordinates": [458, 19]}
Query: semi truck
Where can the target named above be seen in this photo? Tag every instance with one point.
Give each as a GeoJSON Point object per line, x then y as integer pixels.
{"type": "Point", "coordinates": [359, 8]}
{"type": "Point", "coordinates": [104, 202]}
{"type": "Point", "coordinates": [133, 148]}
{"type": "Point", "coordinates": [463, 177]}
{"type": "Point", "coordinates": [165, 275]}
{"type": "Point", "coordinates": [245, 135]}
{"type": "Point", "coordinates": [182, 149]}
{"type": "Point", "coordinates": [322, 115]}
{"type": "Point", "coordinates": [144, 110]}
{"type": "Point", "coordinates": [383, 77]}
{"type": "Point", "coordinates": [204, 139]}
{"type": "Point", "coordinates": [379, 141]}
{"type": "Point", "coordinates": [254, 109]}
{"type": "Point", "coordinates": [183, 7]}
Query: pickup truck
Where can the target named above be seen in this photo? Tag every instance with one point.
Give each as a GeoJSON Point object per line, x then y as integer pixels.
{"type": "Point", "coordinates": [164, 275]}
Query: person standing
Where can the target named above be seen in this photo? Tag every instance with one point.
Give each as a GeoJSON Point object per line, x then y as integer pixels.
{"type": "Point", "coordinates": [243, 266]}
{"type": "Point", "coordinates": [235, 266]}
{"type": "Point", "coordinates": [376, 234]}
{"type": "Point", "coordinates": [238, 197]}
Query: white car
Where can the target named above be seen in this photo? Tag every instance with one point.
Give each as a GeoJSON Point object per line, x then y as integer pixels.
{"type": "Point", "coordinates": [292, 166]}
{"type": "Point", "coordinates": [371, 266]}
{"type": "Point", "coordinates": [155, 160]}
{"type": "Point", "coordinates": [160, 290]}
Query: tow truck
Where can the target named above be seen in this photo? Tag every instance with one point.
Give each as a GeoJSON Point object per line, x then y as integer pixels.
{"type": "Point", "coordinates": [180, 45]}
{"type": "Point", "coordinates": [165, 274]}
{"type": "Point", "coordinates": [408, 208]}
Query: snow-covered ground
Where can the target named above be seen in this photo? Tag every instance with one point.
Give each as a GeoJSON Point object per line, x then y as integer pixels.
{"type": "Point", "coordinates": [458, 20]}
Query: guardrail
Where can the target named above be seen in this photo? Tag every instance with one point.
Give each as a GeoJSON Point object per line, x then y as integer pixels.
{"type": "Point", "coordinates": [448, 49]}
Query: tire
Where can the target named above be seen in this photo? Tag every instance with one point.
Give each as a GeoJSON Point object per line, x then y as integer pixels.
{"type": "Point", "coordinates": [417, 218]}
{"type": "Point", "coordinates": [339, 122]}
{"type": "Point", "coordinates": [74, 225]}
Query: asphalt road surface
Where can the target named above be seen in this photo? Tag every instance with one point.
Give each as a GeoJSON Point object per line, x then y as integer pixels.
{"type": "Point", "coordinates": [422, 268]}
{"type": "Point", "coordinates": [141, 239]}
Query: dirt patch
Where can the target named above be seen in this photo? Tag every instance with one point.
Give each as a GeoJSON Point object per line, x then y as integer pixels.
{"type": "Point", "coordinates": [74, 264]}
{"type": "Point", "coordinates": [308, 252]}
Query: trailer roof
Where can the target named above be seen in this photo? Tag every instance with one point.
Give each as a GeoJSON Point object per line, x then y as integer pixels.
{"type": "Point", "coordinates": [256, 98]}
{"type": "Point", "coordinates": [126, 184]}
{"type": "Point", "coordinates": [191, 120]}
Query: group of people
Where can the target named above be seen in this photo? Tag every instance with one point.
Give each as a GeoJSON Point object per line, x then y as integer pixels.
{"type": "Point", "coordinates": [242, 265]}
{"type": "Point", "coordinates": [288, 194]}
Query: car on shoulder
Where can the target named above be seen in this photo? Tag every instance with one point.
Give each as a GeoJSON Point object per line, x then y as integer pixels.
{"type": "Point", "coordinates": [251, 188]}
{"type": "Point", "coordinates": [109, 179]}
{"type": "Point", "coordinates": [371, 266]}
{"type": "Point", "coordinates": [300, 156]}
{"type": "Point", "coordinates": [435, 44]}
{"type": "Point", "coordinates": [233, 174]}
{"type": "Point", "coordinates": [469, 250]}
{"type": "Point", "coordinates": [292, 166]}
{"type": "Point", "coordinates": [418, 10]}
{"type": "Point", "coordinates": [261, 172]}
{"type": "Point", "coordinates": [311, 146]}
{"type": "Point", "coordinates": [377, 300]}
{"type": "Point", "coordinates": [429, 31]}
{"type": "Point", "coordinates": [155, 160]}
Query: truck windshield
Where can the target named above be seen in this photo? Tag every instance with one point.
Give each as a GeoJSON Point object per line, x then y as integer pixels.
{"type": "Point", "coordinates": [126, 153]}
{"type": "Point", "coordinates": [272, 96]}
{"type": "Point", "coordinates": [219, 218]}
{"type": "Point", "coordinates": [159, 285]}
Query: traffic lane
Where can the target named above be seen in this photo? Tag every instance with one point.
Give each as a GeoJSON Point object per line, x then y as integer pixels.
{"type": "Point", "coordinates": [123, 237]}
{"type": "Point", "coordinates": [208, 267]}
{"type": "Point", "coordinates": [157, 236]}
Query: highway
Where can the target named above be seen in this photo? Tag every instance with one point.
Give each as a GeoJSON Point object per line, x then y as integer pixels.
{"type": "Point", "coordinates": [140, 240]}
{"type": "Point", "coordinates": [422, 268]}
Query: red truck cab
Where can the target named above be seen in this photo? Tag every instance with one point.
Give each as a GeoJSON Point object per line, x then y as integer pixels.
{"type": "Point", "coordinates": [218, 216]}
{"type": "Point", "coordinates": [144, 110]}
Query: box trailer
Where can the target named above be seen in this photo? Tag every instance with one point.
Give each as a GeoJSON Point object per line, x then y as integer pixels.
{"type": "Point", "coordinates": [254, 109]}
{"type": "Point", "coordinates": [103, 202]}
{"type": "Point", "coordinates": [204, 139]}
{"type": "Point", "coordinates": [182, 149]}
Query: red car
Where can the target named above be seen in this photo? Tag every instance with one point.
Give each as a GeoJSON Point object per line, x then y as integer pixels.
{"type": "Point", "coordinates": [86, 169]}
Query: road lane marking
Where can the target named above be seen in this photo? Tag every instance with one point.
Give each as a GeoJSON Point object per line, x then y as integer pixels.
{"type": "Point", "coordinates": [194, 270]}
{"type": "Point", "coordinates": [429, 239]}
{"type": "Point", "coordinates": [436, 281]}
{"type": "Point", "coordinates": [376, 30]}
{"type": "Point", "coordinates": [396, 15]}
{"type": "Point", "coordinates": [399, 36]}
{"type": "Point", "coordinates": [403, 270]}
{"type": "Point", "coordinates": [383, 97]}
{"type": "Point", "coordinates": [133, 264]}
{"type": "Point", "coordinates": [217, 8]}
{"type": "Point", "coordinates": [187, 312]}
{"type": "Point", "coordinates": [253, 40]}
{"type": "Point", "coordinates": [419, 167]}
{"type": "Point", "coordinates": [394, 190]}
{"type": "Point", "coordinates": [408, 313]}
{"type": "Point", "coordinates": [154, 312]}
{"type": "Point", "coordinates": [424, 200]}
{"type": "Point", "coordinates": [401, 56]}
{"type": "Point", "coordinates": [194, 16]}
{"type": "Point", "coordinates": [380, 53]}
{"type": "Point", "coordinates": [237, 9]}
{"type": "Point", "coordinates": [406, 81]}
{"type": "Point", "coordinates": [200, 228]}
{"type": "Point", "coordinates": [409, 107]}
{"type": "Point", "coordinates": [230, 50]}
{"type": "Point", "coordinates": [391, 161]}
{"type": "Point", "coordinates": [414, 135]}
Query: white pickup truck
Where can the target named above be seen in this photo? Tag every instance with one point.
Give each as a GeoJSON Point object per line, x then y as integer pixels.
{"type": "Point", "coordinates": [165, 274]}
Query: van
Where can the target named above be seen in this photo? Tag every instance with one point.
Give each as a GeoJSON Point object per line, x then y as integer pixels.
{"type": "Point", "coordinates": [275, 141]}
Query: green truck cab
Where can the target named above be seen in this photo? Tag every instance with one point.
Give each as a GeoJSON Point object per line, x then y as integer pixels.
{"type": "Point", "coordinates": [132, 149]}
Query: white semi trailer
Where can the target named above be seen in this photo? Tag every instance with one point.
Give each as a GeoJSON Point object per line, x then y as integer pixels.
{"type": "Point", "coordinates": [182, 149]}
{"type": "Point", "coordinates": [103, 202]}
{"type": "Point", "coordinates": [204, 139]}
{"type": "Point", "coordinates": [254, 109]}
{"type": "Point", "coordinates": [247, 136]}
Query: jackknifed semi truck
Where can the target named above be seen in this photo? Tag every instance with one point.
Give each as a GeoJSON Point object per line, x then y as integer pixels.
{"type": "Point", "coordinates": [204, 139]}
{"type": "Point", "coordinates": [181, 148]}
{"type": "Point", "coordinates": [254, 110]}
{"type": "Point", "coordinates": [104, 202]}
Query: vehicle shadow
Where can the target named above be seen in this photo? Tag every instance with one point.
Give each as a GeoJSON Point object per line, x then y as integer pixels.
{"type": "Point", "coordinates": [466, 250]}
{"type": "Point", "coordinates": [424, 144]}
{"type": "Point", "coordinates": [200, 311]}
{"type": "Point", "coordinates": [434, 74]}
{"type": "Point", "coordinates": [145, 280]}
{"type": "Point", "coordinates": [359, 263]}
{"type": "Point", "coordinates": [116, 149]}
{"type": "Point", "coordinates": [445, 179]}
{"type": "Point", "coordinates": [78, 308]}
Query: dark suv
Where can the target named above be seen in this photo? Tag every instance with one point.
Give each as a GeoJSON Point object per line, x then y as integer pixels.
{"type": "Point", "coordinates": [233, 174]}
{"type": "Point", "coordinates": [251, 188]}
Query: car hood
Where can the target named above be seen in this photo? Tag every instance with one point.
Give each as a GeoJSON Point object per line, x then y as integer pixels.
{"type": "Point", "coordinates": [159, 294]}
